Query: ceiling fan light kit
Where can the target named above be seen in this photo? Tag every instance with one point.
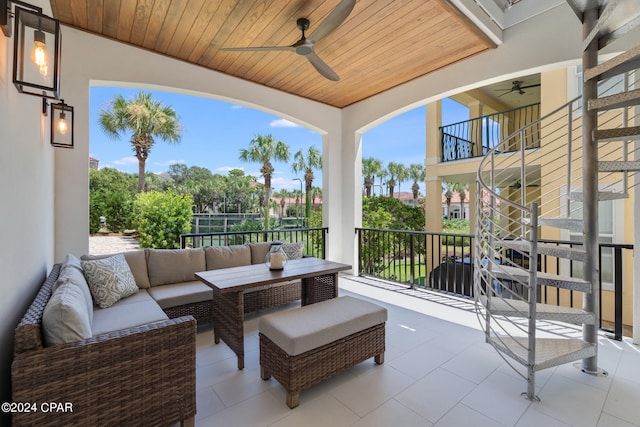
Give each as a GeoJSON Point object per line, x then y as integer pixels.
{"type": "Point", "coordinates": [304, 46]}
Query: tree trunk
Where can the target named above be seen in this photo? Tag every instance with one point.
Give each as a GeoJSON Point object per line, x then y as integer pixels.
{"type": "Point", "coordinates": [141, 163]}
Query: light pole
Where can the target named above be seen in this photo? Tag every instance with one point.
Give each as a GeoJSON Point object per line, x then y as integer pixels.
{"type": "Point", "coordinates": [298, 205]}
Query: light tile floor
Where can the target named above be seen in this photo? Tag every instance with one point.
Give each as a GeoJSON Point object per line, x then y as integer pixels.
{"type": "Point", "coordinates": [437, 372]}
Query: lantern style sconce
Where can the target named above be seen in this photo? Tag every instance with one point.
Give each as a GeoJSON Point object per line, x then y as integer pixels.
{"type": "Point", "coordinates": [36, 49]}
{"type": "Point", "coordinates": [61, 123]}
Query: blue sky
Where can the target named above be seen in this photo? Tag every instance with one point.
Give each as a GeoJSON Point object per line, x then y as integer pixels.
{"type": "Point", "coordinates": [215, 131]}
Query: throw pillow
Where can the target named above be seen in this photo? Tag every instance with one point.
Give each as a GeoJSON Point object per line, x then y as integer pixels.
{"type": "Point", "coordinates": [65, 318]}
{"type": "Point", "coordinates": [110, 279]}
{"type": "Point", "coordinates": [293, 250]}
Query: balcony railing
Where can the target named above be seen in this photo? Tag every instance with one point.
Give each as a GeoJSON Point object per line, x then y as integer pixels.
{"type": "Point", "coordinates": [475, 137]}
{"type": "Point", "coordinates": [435, 261]}
{"type": "Point", "coordinates": [314, 238]}
{"type": "Point", "coordinates": [443, 262]}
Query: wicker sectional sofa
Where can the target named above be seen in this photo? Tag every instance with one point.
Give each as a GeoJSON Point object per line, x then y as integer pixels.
{"type": "Point", "coordinates": [136, 364]}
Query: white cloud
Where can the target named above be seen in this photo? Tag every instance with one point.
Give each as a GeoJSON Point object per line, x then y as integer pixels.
{"type": "Point", "coordinates": [236, 107]}
{"type": "Point", "coordinates": [287, 183]}
{"type": "Point", "coordinates": [170, 162]}
{"type": "Point", "coordinates": [283, 123]}
{"type": "Point", "coordinates": [225, 169]}
{"type": "Point", "coordinates": [126, 161]}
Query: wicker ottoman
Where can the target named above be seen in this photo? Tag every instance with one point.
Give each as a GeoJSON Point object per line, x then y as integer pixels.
{"type": "Point", "coordinates": [306, 345]}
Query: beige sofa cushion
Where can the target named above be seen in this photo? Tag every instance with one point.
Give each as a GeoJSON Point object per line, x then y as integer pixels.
{"type": "Point", "coordinates": [71, 273]}
{"type": "Point", "coordinates": [259, 251]}
{"type": "Point", "coordinates": [306, 328]}
{"type": "Point", "coordinates": [65, 318]}
{"type": "Point", "coordinates": [178, 294]}
{"type": "Point", "coordinates": [136, 310]}
{"type": "Point", "coordinates": [227, 256]}
{"type": "Point", "coordinates": [168, 266]}
{"type": "Point", "coordinates": [137, 261]}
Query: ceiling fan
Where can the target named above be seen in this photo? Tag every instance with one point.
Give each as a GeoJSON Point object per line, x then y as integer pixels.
{"type": "Point", "coordinates": [518, 185]}
{"type": "Point", "coordinates": [516, 86]}
{"type": "Point", "coordinates": [305, 45]}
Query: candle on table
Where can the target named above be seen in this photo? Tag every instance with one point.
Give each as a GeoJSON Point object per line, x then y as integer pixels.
{"type": "Point", "coordinates": [276, 260]}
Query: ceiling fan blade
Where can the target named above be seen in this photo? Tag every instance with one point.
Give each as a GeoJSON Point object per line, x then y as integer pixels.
{"type": "Point", "coordinates": [322, 67]}
{"type": "Point", "coordinates": [257, 48]}
{"type": "Point", "coordinates": [333, 21]}
{"type": "Point", "coordinates": [528, 86]}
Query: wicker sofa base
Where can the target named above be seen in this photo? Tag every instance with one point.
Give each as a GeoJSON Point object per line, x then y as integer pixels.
{"type": "Point", "coordinates": [201, 311]}
{"type": "Point", "coordinates": [299, 372]}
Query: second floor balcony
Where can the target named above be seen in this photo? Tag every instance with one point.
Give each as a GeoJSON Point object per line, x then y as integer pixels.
{"type": "Point", "coordinates": [475, 137]}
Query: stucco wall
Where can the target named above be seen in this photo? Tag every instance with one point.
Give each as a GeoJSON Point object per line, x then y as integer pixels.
{"type": "Point", "coordinates": [26, 220]}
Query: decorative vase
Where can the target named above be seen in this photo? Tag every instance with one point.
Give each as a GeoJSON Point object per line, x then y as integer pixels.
{"type": "Point", "coordinates": [276, 257]}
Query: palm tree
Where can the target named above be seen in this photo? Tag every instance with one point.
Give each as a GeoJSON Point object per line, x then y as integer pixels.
{"type": "Point", "coordinates": [382, 174]}
{"type": "Point", "coordinates": [146, 119]}
{"type": "Point", "coordinates": [416, 173]}
{"type": "Point", "coordinates": [448, 189]}
{"type": "Point", "coordinates": [317, 192]}
{"type": "Point", "coordinates": [307, 163]}
{"type": "Point", "coordinates": [461, 189]}
{"type": "Point", "coordinates": [263, 149]}
{"type": "Point", "coordinates": [283, 194]}
{"type": "Point", "coordinates": [370, 167]}
{"type": "Point", "coordinates": [398, 173]}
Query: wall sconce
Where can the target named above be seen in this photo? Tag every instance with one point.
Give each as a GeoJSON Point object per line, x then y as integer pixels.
{"type": "Point", "coordinates": [61, 123]}
{"type": "Point", "coordinates": [36, 49]}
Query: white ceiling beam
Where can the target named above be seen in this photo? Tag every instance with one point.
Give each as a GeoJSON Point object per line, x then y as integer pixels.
{"type": "Point", "coordinates": [487, 20]}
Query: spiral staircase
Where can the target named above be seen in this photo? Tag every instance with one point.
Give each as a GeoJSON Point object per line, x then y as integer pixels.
{"type": "Point", "coordinates": [547, 177]}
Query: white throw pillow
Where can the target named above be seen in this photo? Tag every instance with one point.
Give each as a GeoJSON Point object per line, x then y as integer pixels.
{"type": "Point", "coordinates": [110, 279]}
{"type": "Point", "coordinates": [65, 318]}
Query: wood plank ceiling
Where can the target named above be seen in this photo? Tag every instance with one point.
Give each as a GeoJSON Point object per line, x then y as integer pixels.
{"type": "Point", "coordinates": [382, 44]}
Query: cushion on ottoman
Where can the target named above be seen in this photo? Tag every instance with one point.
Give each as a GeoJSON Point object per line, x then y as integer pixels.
{"type": "Point", "coordinates": [306, 328]}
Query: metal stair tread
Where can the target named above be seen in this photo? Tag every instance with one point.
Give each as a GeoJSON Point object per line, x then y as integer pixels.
{"type": "Point", "coordinates": [626, 61]}
{"type": "Point", "coordinates": [546, 249]}
{"type": "Point", "coordinates": [549, 351]}
{"type": "Point", "coordinates": [619, 100]}
{"type": "Point", "coordinates": [544, 279]}
{"type": "Point", "coordinates": [518, 308]}
{"type": "Point", "coordinates": [602, 195]}
{"type": "Point", "coordinates": [617, 134]}
{"type": "Point", "coordinates": [572, 224]}
{"type": "Point", "coordinates": [619, 166]}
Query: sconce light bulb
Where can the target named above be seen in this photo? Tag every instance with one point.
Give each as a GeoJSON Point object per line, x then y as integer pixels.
{"type": "Point", "coordinates": [39, 54]}
{"type": "Point", "coordinates": [62, 123]}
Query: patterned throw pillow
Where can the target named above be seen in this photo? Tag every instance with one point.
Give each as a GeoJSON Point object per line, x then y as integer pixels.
{"type": "Point", "coordinates": [110, 279]}
{"type": "Point", "coordinates": [293, 250]}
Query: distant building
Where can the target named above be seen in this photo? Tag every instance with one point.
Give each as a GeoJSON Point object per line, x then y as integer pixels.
{"type": "Point", "coordinates": [93, 163]}
{"type": "Point", "coordinates": [454, 208]}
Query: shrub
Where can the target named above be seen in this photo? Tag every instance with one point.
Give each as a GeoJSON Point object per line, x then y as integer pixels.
{"type": "Point", "coordinates": [160, 218]}
{"type": "Point", "coordinates": [111, 194]}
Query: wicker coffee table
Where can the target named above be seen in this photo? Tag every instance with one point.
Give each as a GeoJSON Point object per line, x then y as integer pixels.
{"type": "Point", "coordinates": [319, 282]}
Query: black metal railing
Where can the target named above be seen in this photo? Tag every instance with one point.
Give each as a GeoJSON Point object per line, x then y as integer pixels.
{"type": "Point", "coordinates": [475, 137]}
{"type": "Point", "coordinates": [444, 262]}
{"type": "Point", "coordinates": [314, 238]}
